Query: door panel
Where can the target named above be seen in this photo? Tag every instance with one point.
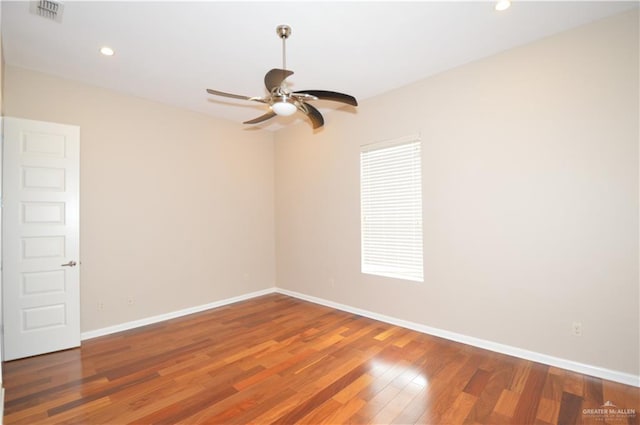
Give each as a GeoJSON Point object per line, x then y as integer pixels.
{"type": "Point", "coordinates": [40, 243]}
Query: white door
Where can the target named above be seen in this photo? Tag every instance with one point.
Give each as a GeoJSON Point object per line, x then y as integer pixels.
{"type": "Point", "coordinates": [40, 237]}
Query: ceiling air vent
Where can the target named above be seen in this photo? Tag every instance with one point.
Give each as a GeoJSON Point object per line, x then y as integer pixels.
{"type": "Point", "coordinates": [47, 9]}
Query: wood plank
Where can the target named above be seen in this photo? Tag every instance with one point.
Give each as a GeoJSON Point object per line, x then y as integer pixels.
{"type": "Point", "coordinates": [548, 411]}
{"type": "Point", "coordinates": [573, 383]}
{"type": "Point", "coordinates": [570, 409]}
{"type": "Point", "coordinates": [527, 406]}
{"type": "Point", "coordinates": [459, 409]}
{"type": "Point", "coordinates": [477, 382]}
{"type": "Point", "coordinates": [345, 413]}
{"type": "Point", "coordinates": [397, 404]}
{"type": "Point", "coordinates": [507, 403]}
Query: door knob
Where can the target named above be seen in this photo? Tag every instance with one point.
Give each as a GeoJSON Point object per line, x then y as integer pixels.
{"type": "Point", "coordinates": [70, 264]}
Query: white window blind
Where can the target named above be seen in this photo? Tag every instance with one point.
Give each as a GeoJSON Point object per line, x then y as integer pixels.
{"type": "Point", "coordinates": [391, 208]}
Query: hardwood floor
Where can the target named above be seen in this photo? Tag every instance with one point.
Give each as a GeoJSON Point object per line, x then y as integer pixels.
{"type": "Point", "coordinates": [279, 360]}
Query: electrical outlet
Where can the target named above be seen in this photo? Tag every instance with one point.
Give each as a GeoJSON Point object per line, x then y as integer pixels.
{"type": "Point", "coordinates": [130, 301]}
{"type": "Point", "coordinates": [332, 282]}
{"type": "Point", "coordinates": [576, 329]}
{"type": "Point", "coordinates": [100, 306]}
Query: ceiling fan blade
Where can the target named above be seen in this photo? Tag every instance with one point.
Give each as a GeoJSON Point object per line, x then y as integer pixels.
{"type": "Point", "coordinates": [314, 115]}
{"type": "Point", "coordinates": [261, 118]}
{"type": "Point", "coordinates": [330, 95]}
{"type": "Point", "coordinates": [275, 77]}
{"type": "Point", "coordinates": [235, 96]}
{"type": "Point", "coordinates": [221, 93]}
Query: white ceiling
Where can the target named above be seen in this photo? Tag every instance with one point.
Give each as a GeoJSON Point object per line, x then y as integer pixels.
{"type": "Point", "coordinates": [172, 51]}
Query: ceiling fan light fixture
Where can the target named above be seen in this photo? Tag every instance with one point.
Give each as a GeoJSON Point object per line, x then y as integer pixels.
{"type": "Point", "coordinates": [107, 51]}
{"type": "Point", "coordinates": [284, 108]}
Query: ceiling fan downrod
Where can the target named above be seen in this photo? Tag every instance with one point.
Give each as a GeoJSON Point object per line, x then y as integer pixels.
{"type": "Point", "coordinates": [284, 31]}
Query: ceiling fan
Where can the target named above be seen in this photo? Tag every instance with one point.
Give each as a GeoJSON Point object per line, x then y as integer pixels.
{"type": "Point", "coordinates": [281, 100]}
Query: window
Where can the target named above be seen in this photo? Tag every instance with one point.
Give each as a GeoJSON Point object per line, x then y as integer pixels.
{"type": "Point", "coordinates": [391, 208]}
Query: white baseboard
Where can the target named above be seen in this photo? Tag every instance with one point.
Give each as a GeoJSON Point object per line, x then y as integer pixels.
{"type": "Point", "coordinates": [172, 315]}
{"type": "Point", "coordinates": [599, 372]}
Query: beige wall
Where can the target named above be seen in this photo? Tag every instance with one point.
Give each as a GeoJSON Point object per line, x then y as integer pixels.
{"type": "Point", "coordinates": [176, 207]}
{"type": "Point", "coordinates": [530, 199]}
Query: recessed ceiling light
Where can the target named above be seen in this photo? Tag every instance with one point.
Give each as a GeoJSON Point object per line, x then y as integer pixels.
{"type": "Point", "coordinates": [502, 5]}
{"type": "Point", "coordinates": [107, 51]}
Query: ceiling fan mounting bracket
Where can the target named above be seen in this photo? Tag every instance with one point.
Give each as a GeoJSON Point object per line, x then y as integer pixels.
{"type": "Point", "coordinates": [283, 31]}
